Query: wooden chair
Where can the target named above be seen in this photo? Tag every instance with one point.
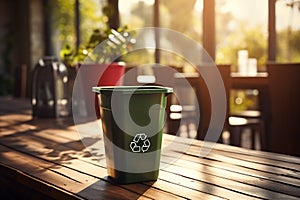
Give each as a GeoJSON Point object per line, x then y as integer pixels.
{"type": "Point", "coordinates": [284, 83]}
{"type": "Point", "coordinates": [237, 122]}
{"type": "Point", "coordinates": [130, 77]}
{"type": "Point", "coordinates": [188, 113]}
{"type": "Point", "coordinates": [165, 76]}
{"type": "Point", "coordinates": [186, 86]}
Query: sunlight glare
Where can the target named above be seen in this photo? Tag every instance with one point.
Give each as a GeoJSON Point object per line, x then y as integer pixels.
{"type": "Point", "coordinates": [199, 6]}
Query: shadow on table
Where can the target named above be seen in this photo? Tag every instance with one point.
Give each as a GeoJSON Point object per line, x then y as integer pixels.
{"type": "Point", "coordinates": [107, 189]}
{"type": "Point", "coordinates": [49, 139]}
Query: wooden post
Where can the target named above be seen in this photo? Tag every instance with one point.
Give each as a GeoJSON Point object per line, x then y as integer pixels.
{"type": "Point", "coordinates": [272, 31]}
{"type": "Point", "coordinates": [47, 15]}
{"type": "Point", "coordinates": [77, 23]}
{"type": "Point", "coordinates": [156, 24]}
{"type": "Point", "coordinates": [114, 18]}
{"type": "Point", "coordinates": [209, 27]}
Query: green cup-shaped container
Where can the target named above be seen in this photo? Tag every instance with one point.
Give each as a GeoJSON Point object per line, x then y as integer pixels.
{"type": "Point", "coordinates": [132, 121]}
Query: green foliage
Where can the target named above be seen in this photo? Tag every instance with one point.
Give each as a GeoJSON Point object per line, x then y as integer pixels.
{"type": "Point", "coordinates": [142, 13]}
{"type": "Point", "coordinates": [232, 34]}
{"type": "Point", "coordinates": [294, 41]}
{"type": "Point", "coordinates": [243, 100]}
{"type": "Point", "coordinates": [93, 31]}
{"type": "Point", "coordinates": [288, 46]}
{"type": "Point", "coordinates": [138, 57]}
{"type": "Point", "coordinates": [183, 10]}
{"type": "Point", "coordinates": [63, 18]}
{"type": "Point", "coordinates": [91, 17]}
{"type": "Point", "coordinates": [252, 39]}
{"type": "Point", "coordinates": [116, 42]}
{"type": "Point", "coordinates": [256, 42]}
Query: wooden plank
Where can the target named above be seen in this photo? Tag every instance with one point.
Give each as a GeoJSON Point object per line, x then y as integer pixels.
{"type": "Point", "coordinates": [49, 147]}
{"type": "Point", "coordinates": [36, 141]}
{"type": "Point", "coordinates": [161, 191]}
{"type": "Point", "coordinates": [17, 185]}
{"type": "Point", "coordinates": [62, 146]}
{"type": "Point", "coordinates": [249, 164]}
{"type": "Point", "coordinates": [67, 179]}
{"type": "Point", "coordinates": [179, 190]}
{"type": "Point", "coordinates": [9, 120]}
{"type": "Point", "coordinates": [96, 170]}
{"type": "Point", "coordinates": [272, 159]}
{"type": "Point", "coordinates": [192, 150]}
{"type": "Point", "coordinates": [240, 151]}
{"type": "Point", "coordinates": [82, 166]}
{"type": "Point", "coordinates": [229, 183]}
{"type": "Point", "coordinates": [248, 179]}
{"type": "Point", "coordinates": [241, 170]}
{"type": "Point", "coordinates": [265, 161]}
{"type": "Point", "coordinates": [151, 192]}
{"type": "Point", "coordinates": [206, 187]}
{"type": "Point", "coordinates": [79, 163]}
{"type": "Point", "coordinates": [258, 154]}
{"type": "Point", "coordinates": [273, 184]}
{"type": "Point", "coordinates": [240, 154]}
{"type": "Point", "coordinates": [285, 160]}
{"type": "Point", "coordinates": [26, 142]}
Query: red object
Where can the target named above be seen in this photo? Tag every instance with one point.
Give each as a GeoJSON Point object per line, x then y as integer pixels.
{"type": "Point", "coordinates": [112, 76]}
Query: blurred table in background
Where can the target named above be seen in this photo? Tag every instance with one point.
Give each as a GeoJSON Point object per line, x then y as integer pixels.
{"type": "Point", "coordinates": [258, 81]}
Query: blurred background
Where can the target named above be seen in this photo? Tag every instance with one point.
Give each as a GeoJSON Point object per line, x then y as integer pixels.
{"type": "Point", "coordinates": [31, 29]}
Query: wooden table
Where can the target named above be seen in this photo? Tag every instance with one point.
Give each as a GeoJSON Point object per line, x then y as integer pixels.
{"type": "Point", "coordinates": [242, 81]}
{"type": "Point", "coordinates": [45, 159]}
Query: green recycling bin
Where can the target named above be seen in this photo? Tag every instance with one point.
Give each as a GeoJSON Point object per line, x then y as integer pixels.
{"type": "Point", "coordinates": [132, 121]}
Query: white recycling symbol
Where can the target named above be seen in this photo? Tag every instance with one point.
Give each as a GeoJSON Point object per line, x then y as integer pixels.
{"type": "Point", "coordinates": [137, 138]}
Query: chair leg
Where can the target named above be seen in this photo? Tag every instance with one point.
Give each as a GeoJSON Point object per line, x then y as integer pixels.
{"type": "Point", "coordinates": [235, 136]}
{"type": "Point", "coordinates": [220, 140]}
{"type": "Point", "coordinates": [173, 126]}
{"type": "Point", "coordinates": [239, 137]}
{"type": "Point", "coordinates": [253, 132]}
{"type": "Point", "coordinates": [263, 137]}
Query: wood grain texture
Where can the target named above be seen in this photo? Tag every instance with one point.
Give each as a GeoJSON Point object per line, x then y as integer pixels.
{"type": "Point", "coordinates": [46, 159]}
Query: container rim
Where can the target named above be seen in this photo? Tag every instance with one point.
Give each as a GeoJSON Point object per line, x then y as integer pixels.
{"type": "Point", "coordinates": [149, 89]}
